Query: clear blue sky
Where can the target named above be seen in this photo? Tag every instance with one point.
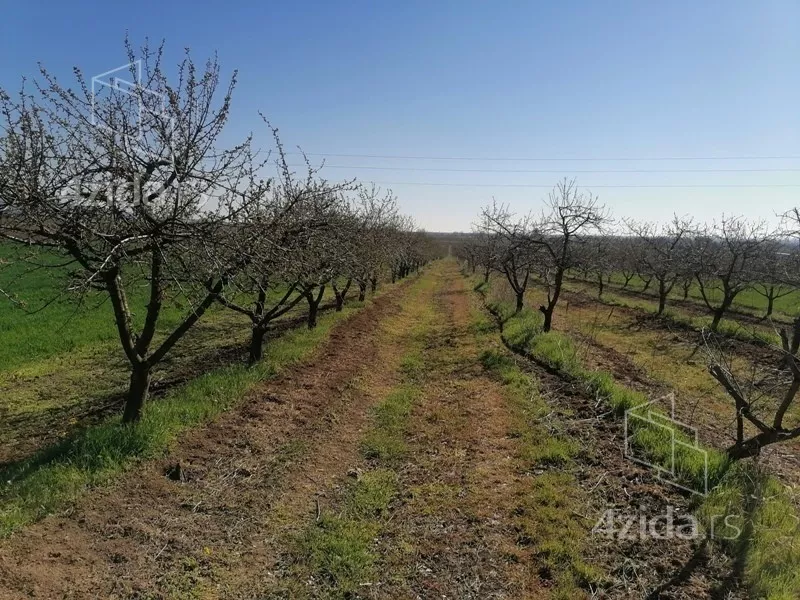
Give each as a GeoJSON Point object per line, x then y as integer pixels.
{"type": "Point", "coordinates": [598, 79]}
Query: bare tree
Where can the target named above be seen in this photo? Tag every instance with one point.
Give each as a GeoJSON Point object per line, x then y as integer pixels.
{"type": "Point", "coordinates": [662, 252]}
{"type": "Point", "coordinates": [595, 257]}
{"type": "Point", "coordinates": [470, 250]}
{"type": "Point", "coordinates": [570, 214]}
{"type": "Point", "coordinates": [775, 272]}
{"type": "Point", "coordinates": [760, 401]}
{"type": "Point", "coordinates": [131, 188]}
{"type": "Point", "coordinates": [376, 217]}
{"type": "Point", "coordinates": [724, 259]}
{"type": "Point", "coordinates": [626, 254]}
{"type": "Point", "coordinates": [409, 247]}
{"type": "Point", "coordinates": [485, 248]}
{"type": "Point", "coordinates": [268, 239]}
{"type": "Point", "coordinates": [512, 243]}
{"type": "Point", "coordinates": [315, 260]}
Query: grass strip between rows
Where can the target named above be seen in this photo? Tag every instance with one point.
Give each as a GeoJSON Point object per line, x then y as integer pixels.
{"type": "Point", "coordinates": [547, 518]}
{"type": "Point", "coordinates": [672, 314]}
{"type": "Point", "coordinates": [767, 537]}
{"type": "Point", "coordinates": [337, 552]}
{"type": "Point", "coordinates": [55, 477]}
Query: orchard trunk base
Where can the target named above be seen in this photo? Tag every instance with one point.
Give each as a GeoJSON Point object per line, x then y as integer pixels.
{"type": "Point", "coordinates": [138, 391]}
{"type": "Point", "coordinates": [256, 346]}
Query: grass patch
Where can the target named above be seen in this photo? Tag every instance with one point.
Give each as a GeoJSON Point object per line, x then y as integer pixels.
{"type": "Point", "coordinates": [546, 518]}
{"type": "Point", "coordinates": [49, 322]}
{"type": "Point", "coordinates": [748, 300]}
{"type": "Point", "coordinates": [57, 476]}
{"type": "Point", "coordinates": [748, 506]}
{"type": "Point", "coordinates": [558, 351]}
{"type": "Point", "coordinates": [338, 548]}
{"type": "Point", "coordinates": [386, 441]}
{"type": "Point", "coordinates": [337, 552]}
{"type": "Point", "coordinates": [752, 515]}
{"type": "Point", "coordinates": [729, 327]}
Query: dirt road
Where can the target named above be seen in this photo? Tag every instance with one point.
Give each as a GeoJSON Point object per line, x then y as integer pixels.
{"type": "Point", "coordinates": [245, 506]}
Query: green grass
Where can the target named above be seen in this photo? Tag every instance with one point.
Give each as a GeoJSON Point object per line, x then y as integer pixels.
{"type": "Point", "coordinates": [769, 545]}
{"type": "Point", "coordinates": [338, 548]}
{"type": "Point", "coordinates": [752, 514]}
{"type": "Point", "coordinates": [730, 327]}
{"type": "Point", "coordinates": [547, 518]}
{"type": "Point", "coordinates": [748, 299]}
{"type": "Point", "coordinates": [559, 352]}
{"type": "Point", "coordinates": [48, 321]}
{"type": "Point", "coordinates": [371, 496]}
{"type": "Point", "coordinates": [62, 360]}
{"type": "Point", "coordinates": [54, 478]}
{"type": "Point", "coordinates": [337, 553]}
{"type": "Point", "coordinates": [386, 441]}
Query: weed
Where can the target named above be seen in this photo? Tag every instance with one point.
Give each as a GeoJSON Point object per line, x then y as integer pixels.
{"type": "Point", "coordinates": [385, 442]}
{"type": "Point", "coordinates": [338, 548]}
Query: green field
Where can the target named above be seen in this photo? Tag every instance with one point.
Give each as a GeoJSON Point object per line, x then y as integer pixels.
{"type": "Point", "coordinates": [61, 362]}
{"type": "Point", "coordinates": [748, 300]}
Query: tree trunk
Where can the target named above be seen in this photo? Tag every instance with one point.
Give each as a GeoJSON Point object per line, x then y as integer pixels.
{"type": "Point", "coordinates": [547, 311]}
{"type": "Point", "coordinates": [720, 312]}
{"type": "Point", "coordinates": [662, 303]}
{"type": "Point", "coordinates": [551, 305]}
{"type": "Point", "coordinates": [646, 285]}
{"type": "Point", "coordinates": [662, 297]}
{"type": "Point", "coordinates": [520, 301]}
{"type": "Point", "coordinates": [770, 305]}
{"type": "Point", "coordinates": [256, 345]}
{"type": "Point", "coordinates": [312, 314]}
{"type": "Point", "coordinates": [341, 294]}
{"type": "Point", "coordinates": [362, 291]}
{"type": "Point", "coordinates": [600, 286]}
{"type": "Point", "coordinates": [486, 276]}
{"type": "Point", "coordinates": [717, 318]}
{"type": "Point", "coordinates": [374, 284]}
{"type": "Point", "coordinates": [313, 306]}
{"type": "Point", "coordinates": [138, 391]}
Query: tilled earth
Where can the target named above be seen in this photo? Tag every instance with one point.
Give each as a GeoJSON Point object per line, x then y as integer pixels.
{"type": "Point", "coordinates": [217, 517]}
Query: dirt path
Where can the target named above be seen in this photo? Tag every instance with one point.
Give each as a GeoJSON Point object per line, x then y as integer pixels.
{"type": "Point", "coordinates": [201, 522]}
{"type": "Point", "coordinates": [223, 516]}
{"type": "Point", "coordinates": [461, 480]}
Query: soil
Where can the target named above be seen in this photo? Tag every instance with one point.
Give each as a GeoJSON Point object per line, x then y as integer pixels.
{"type": "Point", "coordinates": [715, 419]}
{"type": "Point", "coordinates": [205, 511]}
{"type": "Point", "coordinates": [216, 516]}
{"type": "Point", "coordinates": [24, 434]}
